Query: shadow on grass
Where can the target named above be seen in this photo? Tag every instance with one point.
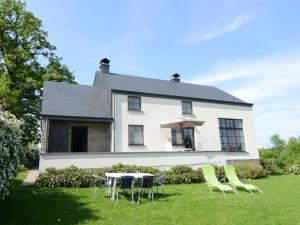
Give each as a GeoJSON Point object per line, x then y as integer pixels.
{"type": "Point", "coordinates": [144, 197]}
{"type": "Point", "coordinates": [42, 206]}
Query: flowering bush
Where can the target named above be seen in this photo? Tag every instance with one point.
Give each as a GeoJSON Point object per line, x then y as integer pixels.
{"type": "Point", "coordinates": [10, 151]}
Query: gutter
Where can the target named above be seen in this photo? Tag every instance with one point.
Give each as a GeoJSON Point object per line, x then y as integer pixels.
{"type": "Point", "coordinates": [183, 98]}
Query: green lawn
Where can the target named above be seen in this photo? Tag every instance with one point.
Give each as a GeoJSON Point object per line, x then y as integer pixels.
{"type": "Point", "coordinates": [183, 204]}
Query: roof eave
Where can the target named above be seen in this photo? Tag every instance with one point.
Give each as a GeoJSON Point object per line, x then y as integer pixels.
{"type": "Point", "coordinates": [78, 118]}
{"type": "Point", "coordinates": [184, 98]}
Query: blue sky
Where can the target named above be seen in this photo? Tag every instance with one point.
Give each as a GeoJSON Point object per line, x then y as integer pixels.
{"type": "Point", "coordinates": [249, 48]}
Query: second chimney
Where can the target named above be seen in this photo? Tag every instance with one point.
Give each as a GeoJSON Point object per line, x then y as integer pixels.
{"type": "Point", "coordinates": [104, 65]}
{"type": "Point", "coordinates": [175, 77]}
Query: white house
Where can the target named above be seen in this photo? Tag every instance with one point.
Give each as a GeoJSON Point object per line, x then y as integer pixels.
{"type": "Point", "coordinates": [143, 121]}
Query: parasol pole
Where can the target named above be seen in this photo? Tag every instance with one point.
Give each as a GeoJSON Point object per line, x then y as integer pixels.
{"type": "Point", "coordinates": [182, 138]}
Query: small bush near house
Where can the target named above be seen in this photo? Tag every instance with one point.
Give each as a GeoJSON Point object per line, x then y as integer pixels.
{"type": "Point", "coordinates": [183, 174]}
{"type": "Point", "coordinates": [74, 177]}
{"type": "Point", "coordinates": [293, 170]}
{"type": "Point", "coordinates": [31, 157]}
{"type": "Point", "coordinates": [250, 170]}
{"type": "Point", "coordinates": [272, 167]}
{"type": "Point", "coordinates": [132, 169]}
{"type": "Point", "coordinates": [10, 151]}
{"type": "Point", "coordinates": [68, 177]}
{"type": "Point", "coordinates": [221, 173]}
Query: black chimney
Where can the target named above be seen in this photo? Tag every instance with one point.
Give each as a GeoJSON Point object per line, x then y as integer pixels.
{"type": "Point", "coordinates": [104, 65]}
{"type": "Point", "coordinates": [175, 77]}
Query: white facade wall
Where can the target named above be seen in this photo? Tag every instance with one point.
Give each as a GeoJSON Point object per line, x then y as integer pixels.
{"type": "Point", "coordinates": [156, 111]}
{"type": "Point", "coordinates": [162, 160]}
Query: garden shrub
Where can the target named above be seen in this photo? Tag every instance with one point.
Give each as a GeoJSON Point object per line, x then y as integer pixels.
{"type": "Point", "coordinates": [271, 166]}
{"type": "Point", "coordinates": [74, 177]}
{"type": "Point", "coordinates": [67, 177]}
{"type": "Point", "coordinates": [133, 168]}
{"type": "Point", "coordinates": [31, 155]}
{"type": "Point", "coordinates": [250, 170]}
{"type": "Point", "coordinates": [220, 173]}
{"type": "Point", "coordinates": [293, 170]}
{"type": "Point", "coordinates": [183, 174]}
{"type": "Point", "coordinates": [10, 151]}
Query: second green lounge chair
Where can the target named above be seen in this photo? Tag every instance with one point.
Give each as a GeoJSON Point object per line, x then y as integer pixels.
{"type": "Point", "coordinates": [235, 181]}
{"type": "Point", "coordinates": [212, 181]}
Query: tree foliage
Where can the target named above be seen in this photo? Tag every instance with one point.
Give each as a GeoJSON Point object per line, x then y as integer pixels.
{"type": "Point", "coordinates": [281, 156]}
{"type": "Point", "coordinates": [27, 59]}
{"type": "Point", "coordinates": [291, 152]}
{"type": "Point", "coordinates": [277, 142]}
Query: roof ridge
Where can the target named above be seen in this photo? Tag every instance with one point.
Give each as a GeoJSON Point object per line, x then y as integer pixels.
{"type": "Point", "coordinates": [67, 83]}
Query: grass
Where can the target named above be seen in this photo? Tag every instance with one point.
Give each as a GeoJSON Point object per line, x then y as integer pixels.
{"type": "Point", "coordinates": [183, 204]}
{"type": "Point", "coordinates": [22, 173]}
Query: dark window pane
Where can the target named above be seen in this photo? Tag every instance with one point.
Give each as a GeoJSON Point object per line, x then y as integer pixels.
{"type": "Point", "coordinates": [187, 107]}
{"type": "Point", "coordinates": [223, 123]}
{"type": "Point", "coordinates": [225, 140]}
{"type": "Point", "coordinates": [176, 136]}
{"type": "Point", "coordinates": [227, 123]}
{"type": "Point", "coordinates": [135, 135]}
{"type": "Point", "coordinates": [134, 103]}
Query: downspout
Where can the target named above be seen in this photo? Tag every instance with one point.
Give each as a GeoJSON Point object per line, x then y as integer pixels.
{"type": "Point", "coordinates": [114, 121]}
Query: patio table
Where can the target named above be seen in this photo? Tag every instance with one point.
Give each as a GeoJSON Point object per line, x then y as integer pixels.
{"type": "Point", "coordinates": [115, 176]}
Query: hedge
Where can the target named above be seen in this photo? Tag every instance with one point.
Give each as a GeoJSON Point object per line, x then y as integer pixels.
{"type": "Point", "coordinates": [10, 151]}
{"type": "Point", "coordinates": [74, 177]}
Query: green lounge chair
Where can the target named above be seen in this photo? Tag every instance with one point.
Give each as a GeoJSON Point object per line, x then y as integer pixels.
{"type": "Point", "coordinates": [235, 182]}
{"type": "Point", "coordinates": [212, 181]}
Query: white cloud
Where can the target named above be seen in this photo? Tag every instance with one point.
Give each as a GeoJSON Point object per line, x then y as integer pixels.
{"type": "Point", "coordinates": [271, 83]}
{"type": "Point", "coordinates": [263, 78]}
{"type": "Point", "coordinates": [221, 28]}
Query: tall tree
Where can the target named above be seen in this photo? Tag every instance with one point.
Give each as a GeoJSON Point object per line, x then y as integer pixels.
{"type": "Point", "coordinates": [26, 60]}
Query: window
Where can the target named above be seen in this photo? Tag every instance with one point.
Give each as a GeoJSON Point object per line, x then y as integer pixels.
{"type": "Point", "coordinates": [136, 134]}
{"type": "Point", "coordinates": [187, 107]}
{"type": "Point", "coordinates": [176, 136]}
{"type": "Point", "coordinates": [188, 137]}
{"type": "Point", "coordinates": [134, 103]}
{"type": "Point", "coordinates": [231, 135]}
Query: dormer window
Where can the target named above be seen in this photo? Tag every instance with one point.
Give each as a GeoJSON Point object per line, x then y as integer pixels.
{"type": "Point", "coordinates": [187, 107]}
{"type": "Point", "coordinates": [134, 103]}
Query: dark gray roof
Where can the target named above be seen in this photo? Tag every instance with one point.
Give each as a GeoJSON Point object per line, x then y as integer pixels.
{"type": "Point", "coordinates": [72, 100]}
{"type": "Point", "coordinates": [144, 85]}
